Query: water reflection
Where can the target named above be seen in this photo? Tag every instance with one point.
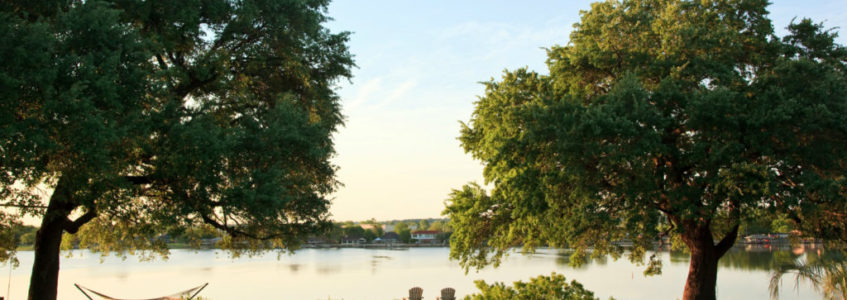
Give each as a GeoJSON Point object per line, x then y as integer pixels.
{"type": "Point", "coordinates": [756, 260]}
{"type": "Point", "coordinates": [123, 275]}
{"type": "Point", "coordinates": [294, 268]}
{"type": "Point", "coordinates": [563, 259]}
{"type": "Point", "coordinates": [328, 269]}
{"type": "Point", "coordinates": [747, 257]}
{"type": "Point", "coordinates": [388, 274]}
{"type": "Point", "coordinates": [376, 260]}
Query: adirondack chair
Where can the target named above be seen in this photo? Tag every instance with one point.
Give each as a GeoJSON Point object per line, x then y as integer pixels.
{"type": "Point", "coordinates": [415, 293]}
{"type": "Point", "coordinates": [448, 294]}
{"type": "Point", "coordinates": [175, 296]}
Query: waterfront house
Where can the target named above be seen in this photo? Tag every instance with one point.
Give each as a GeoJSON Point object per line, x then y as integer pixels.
{"type": "Point", "coordinates": [425, 236]}
{"type": "Point", "coordinates": [317, 241]}
{"type": "Point", "coordinates": [353, 240]}
{"type": "Point", "coordinates": [766, 238]}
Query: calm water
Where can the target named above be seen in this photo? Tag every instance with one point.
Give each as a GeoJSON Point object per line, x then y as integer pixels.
{"type": "Point", "coordinates": [385, 274]}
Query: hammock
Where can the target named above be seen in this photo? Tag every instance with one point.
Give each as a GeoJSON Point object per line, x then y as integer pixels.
{"type": "Point", "coordinates": [175, 296]}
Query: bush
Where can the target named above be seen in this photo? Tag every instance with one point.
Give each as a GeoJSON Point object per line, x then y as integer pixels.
{"type": "Point", "coordinates": [542, 287]}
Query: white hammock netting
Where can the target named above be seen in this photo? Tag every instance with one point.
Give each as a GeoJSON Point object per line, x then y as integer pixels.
{"type": "Point", "coordinates": [191, 293]}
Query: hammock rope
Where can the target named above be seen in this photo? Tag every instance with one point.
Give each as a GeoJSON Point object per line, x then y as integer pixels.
{"type": "Point", "coordinates": [175, 296]}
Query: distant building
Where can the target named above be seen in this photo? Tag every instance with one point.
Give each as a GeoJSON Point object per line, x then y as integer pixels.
{"type": "Point", "coordinates": [387, 228]}
{"type": "Point", "coordinates": [425, 236]}
{"type": "Point", "coordinates": [353, 240]}
{"type": "Point", "coordinates": [315, 240]}
{"type": "Point", "coordinates": [766, 238]}
{"type": "Point", "coordinates": [391, 237]}
{"type": "Point", "coordinates": [367, 226]}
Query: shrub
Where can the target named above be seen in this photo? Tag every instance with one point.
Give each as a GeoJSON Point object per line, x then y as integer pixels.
{"type": "Point", "coordinates": [542, 287]}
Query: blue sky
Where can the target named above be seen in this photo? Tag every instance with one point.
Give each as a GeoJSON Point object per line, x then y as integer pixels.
{"type": "Point", "coordinates": [419, 68]}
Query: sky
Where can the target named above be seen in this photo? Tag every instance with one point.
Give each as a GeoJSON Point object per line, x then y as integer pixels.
{"type": "Point", "coordinates": [419, 68]}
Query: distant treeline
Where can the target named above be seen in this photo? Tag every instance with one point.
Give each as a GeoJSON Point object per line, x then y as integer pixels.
{"type": "Point", "coordinates": [25, 234]}
{"type": "Point", "coordinates": [370, 230]}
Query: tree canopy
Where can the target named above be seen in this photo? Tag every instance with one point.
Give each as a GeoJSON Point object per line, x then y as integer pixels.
{"type": "Point", "coordinates": [659, 118]}
{"type": "Point", "coordinates": [145, 117]}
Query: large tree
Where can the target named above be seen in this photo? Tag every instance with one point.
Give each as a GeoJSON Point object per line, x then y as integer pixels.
{"type": "Point", "coordinates": [660, 118]}
{"type": "Point", "coordinates": [141, 118]}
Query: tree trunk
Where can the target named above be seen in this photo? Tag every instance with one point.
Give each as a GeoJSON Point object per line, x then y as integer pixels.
{"type": "Point", "coordinates": [703, 269]}
{"type": "Point", "coordinates": [702, 275]}
{"type": "Point", "coordinates": [45, 270]}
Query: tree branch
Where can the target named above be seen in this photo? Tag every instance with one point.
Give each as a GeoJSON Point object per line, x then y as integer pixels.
{"type": "Point", "coordinates": [728, 240]}
{"type": "Point", "coordinates": [73, 226]}
{"type": "Point", "coordinates": [235, 232]}
{"type": "Point", "coordinates": [162, 62]}
{"type": "Point", "coordinates": [224, 39]}
{"type": "Point", "coordinates": [193, 84]}
{"type": "Point", "coordinates": [22, 206]}
{"type": "Point", "coordinates": [138, 179]}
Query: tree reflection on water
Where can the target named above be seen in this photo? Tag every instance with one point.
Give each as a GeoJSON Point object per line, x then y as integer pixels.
{"type": "Point", "coordinates": [760, 257]}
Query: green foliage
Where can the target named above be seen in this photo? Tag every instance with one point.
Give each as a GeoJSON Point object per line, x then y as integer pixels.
{"type": "Point", "coordinates": [437, 225]}
{"type": "Point", "coordinates": [377, 227]}
{"type": "Point", "coordinates": [28, 238]}
{"type": "Point", "coordinates": [405, 236]}
{"type": "Point", "coordinates": [354, 230]}
{"type": "Point", "coordinates": [8, 242]}
{"type": "Point", "coordinates": [24, 234]}
{"type": "Point", "coordinates": [335, 233]}
{"type": "Point", "coordinates": [401, 226]}
{"type": "Point", "coordinates": [403, 231]}
{"type": "Point", "coordinates": [757, 224]}
{"type": "Point", "coordinates": [658, 118]}
{"type": "Point", "coordinates": [157, 117]}
{"type": "Point", "coordinates": [781, 224]}
{"type": "Point", "coordinates": [443, 237]}
{"type": "Point", "coordinates": [542, 287]}
{"type": "Point", "coordinates": [827, 273]}
{"type": "Point", "coordinates": [369, 235]}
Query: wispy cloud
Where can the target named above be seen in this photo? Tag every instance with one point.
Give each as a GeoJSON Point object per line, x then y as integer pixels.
{"type": "Point", "coordinates": [365, 92]}
{"type": "Point", "coordinates": [499, 33]}
{"type": "Point", "coordinates": [398, 92]}
{"type": "Point", "coordinates": [497, 42]}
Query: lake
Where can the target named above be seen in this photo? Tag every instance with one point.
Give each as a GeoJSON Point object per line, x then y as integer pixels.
{"type": "Point", "coordinates": [351, 273]}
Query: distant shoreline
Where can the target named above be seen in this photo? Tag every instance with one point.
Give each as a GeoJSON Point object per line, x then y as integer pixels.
{"type": "Point", "coordinates": [395, 246]}
{"type": "Point", "coordinates": [375, 246]}
{"type": "Point", "coordinates": [782, 243]}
